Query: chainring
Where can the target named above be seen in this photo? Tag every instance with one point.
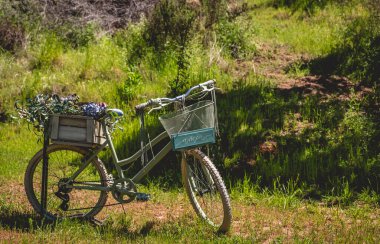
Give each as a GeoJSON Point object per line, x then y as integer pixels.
{"type": "Point", "coordinates": [128, 185]}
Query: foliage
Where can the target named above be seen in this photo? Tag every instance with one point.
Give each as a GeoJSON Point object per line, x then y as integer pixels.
{"type": "Point", "coordinates": [308, 6]}
{"type": "Point", "coordinates": [48, 52]}
{"type": "Point", "coordinates": [359, 52]}
{"type": "Point", "coordinates": [170, 28]}
{"type": "Point", "coordinates": [76, 36]}
{"type": "Point", "coordinates": [132, 39]}
{"type": "Point", "coordinates": [39, 109]}
{"type": "Point", "coordinates": [213, 11]}
{"type": "Point", "coordinates": [130, 87]}
{"type": "Point", "coordinates": [231, 37]}
{"type": "Point", "coordinates": [171, 24]}
{"type": "Point", "coordinates": [16, 19]}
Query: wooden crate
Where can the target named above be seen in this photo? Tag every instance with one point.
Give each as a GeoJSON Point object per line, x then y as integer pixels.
{"type": "Point", "coordinates": [76, 130]}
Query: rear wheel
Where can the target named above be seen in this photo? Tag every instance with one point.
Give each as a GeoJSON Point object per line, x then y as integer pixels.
{"type": "Point", "coordinates": [62, 200]}
{"type": "Point", "coordinates": [206, 190]}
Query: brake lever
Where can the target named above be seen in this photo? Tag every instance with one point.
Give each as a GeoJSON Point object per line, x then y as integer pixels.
{"type": "Point", "coordinates": [156, 108]}
{"type": "Point", "coordinates": [162, 105]}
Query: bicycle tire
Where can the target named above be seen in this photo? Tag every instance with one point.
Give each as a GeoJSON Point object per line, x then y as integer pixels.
{"type": "Point", "coordinates": [58, 161]}
{"type": "Point", "coordinates": [206, 190]}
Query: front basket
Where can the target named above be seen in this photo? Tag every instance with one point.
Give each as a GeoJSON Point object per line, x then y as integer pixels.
{"type": "Point", "coordinates": [192, 126]}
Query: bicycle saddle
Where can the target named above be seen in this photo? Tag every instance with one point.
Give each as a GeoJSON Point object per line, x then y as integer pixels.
{"type": "Point", "coordinates": [115, 111]}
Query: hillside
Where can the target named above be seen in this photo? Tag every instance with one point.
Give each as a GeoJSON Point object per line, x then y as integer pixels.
{"type": "Point", "coordinates": [298, 110]}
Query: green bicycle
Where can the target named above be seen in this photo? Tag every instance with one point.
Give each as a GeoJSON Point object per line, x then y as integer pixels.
{"type": "Point", "coordinates": [74, 182]}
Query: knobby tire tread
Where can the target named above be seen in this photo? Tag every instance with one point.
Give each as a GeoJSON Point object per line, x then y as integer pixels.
{"type": "Point", "coordinates": [206, 161]}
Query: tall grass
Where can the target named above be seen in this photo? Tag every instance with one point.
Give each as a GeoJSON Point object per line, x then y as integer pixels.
{"type": "Point", "coordinates": [265, 132]}
{"type": "Point", "coordinates": [278, 150]}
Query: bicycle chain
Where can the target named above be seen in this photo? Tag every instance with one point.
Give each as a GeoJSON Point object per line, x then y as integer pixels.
{"type": "Point", "coordinates": [107, 205]}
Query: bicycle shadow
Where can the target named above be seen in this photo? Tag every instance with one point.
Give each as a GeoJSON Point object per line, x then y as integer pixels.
{"type": "Point", "coordinates": [21, 221]}
{"type": "Point", "coordinates": [127, 231]}
{"type": "Point", "coordinates": [27, 222]}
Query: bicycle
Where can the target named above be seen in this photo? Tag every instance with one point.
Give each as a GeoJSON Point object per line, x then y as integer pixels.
{"type": "Point", "coordinates": [76, 182]}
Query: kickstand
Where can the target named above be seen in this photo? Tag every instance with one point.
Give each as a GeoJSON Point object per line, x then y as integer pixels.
{"type": "Point", "coordinates": [97, 222]}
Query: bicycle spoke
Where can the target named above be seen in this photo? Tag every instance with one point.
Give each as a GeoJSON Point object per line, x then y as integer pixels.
{"type": "Point", "coordinates": [206, 190]}
{"type": "Point", "coordinates": [63, 162]}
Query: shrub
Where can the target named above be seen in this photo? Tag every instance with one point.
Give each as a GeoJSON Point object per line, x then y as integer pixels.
{"type": "Point", "coordinates": [132, 39]}
{"type": "Point", "coordinates": [231, 37]}
{"type": "Point", "coordinates": [129, 88]}
{"type": "Point", "coordinates": [170, 27]}
{"type": "Point", "coordinates": [12, 36]}
{"type": "Point", "coordinates": [170, 23]}
{"type": "Point", "coordinates": [359, 51]}
{"type": "Point", "coordinates": [357, 54]}
{"type": "Point", "coordinates": [213, 11]}
{"type": "Point", "coordinates": [16, 17]}
{"type": "Point", "coordinates": [76, 36]}
{"type": "Point", "coordinates": [48, 51]}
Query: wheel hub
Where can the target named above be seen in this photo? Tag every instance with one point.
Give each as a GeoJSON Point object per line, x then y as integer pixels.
{"type": "Point", "coordinates": [63, 185]}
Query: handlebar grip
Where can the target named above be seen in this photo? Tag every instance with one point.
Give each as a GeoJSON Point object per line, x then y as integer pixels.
{"type": "Point", "coordinates": [144, 105]}
{"type": "Point", "coordinates": [141, 106]}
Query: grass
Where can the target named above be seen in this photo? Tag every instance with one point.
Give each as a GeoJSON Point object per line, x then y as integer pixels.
{"type": "Point", "coordinates": [169, 218]}
{"type": "Point", "coordinates": [310, 35]}
{"type": "Point", "coordinates": [16, 153]}
{"type": "Point", "coordinates": [301, 167]}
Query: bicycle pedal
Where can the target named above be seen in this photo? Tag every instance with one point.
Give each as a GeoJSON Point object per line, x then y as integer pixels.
{"type": "Point", "coordinates": [142, 197]}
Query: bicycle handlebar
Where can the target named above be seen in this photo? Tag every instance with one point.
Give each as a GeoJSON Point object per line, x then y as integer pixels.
{"type": "Point", "coordinates": [159, 101]}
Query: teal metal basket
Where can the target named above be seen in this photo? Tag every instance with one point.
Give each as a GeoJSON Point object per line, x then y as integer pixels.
{"type": "Point", "coordinates": [192, 126]}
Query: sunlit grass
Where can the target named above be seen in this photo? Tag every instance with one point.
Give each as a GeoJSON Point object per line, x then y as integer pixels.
{"type": "Point", "coordinates": [17, 147]}
{"type": "Point", "coordinates": [315, 35]}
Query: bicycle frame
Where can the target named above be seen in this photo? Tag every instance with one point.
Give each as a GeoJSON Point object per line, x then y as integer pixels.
{"type": "Point", "coordinates": [119, 163]}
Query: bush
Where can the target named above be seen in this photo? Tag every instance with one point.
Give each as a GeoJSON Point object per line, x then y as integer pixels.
{"type": "Point", "coordinates": [76, 36]}
{"type": "Point", "coordinates": [16, 18]}
{"type": "Point", "coordinates": [231, 37]}
{"type": "Point", "coordinates": [12, 36]}
{"type": "Point", "coordinates": [214, 11]}
{"type": "Point", "coordinates": [359, 52]}
{"type": "Point", "coordinates": [170, 24]}
{"type": "Point", "coordinates": [48, 51]}
{"type": "Point", "coordinates": [170, 28]}
{"type": "Point", "coordinates": [357, 55]}
{"type": "Point", "coordinates": [129, 88]}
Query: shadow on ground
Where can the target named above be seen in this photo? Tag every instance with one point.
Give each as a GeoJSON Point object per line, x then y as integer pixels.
{"type": "Point", "coordinates": [306, 130]}
{"type": "Point", "coordinates": [27, 222]}
{"type": "Point", "coordinates": [20, 221]}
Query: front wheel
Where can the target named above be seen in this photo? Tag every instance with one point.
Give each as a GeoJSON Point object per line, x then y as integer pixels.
{"type": "Point", "coordinates": [206, 190]}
